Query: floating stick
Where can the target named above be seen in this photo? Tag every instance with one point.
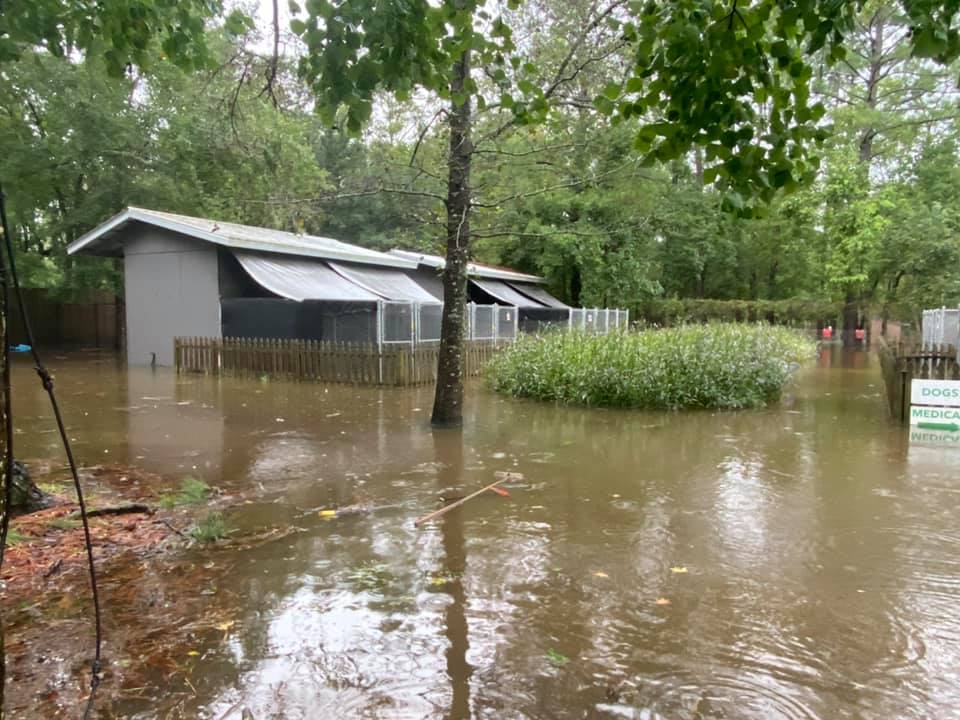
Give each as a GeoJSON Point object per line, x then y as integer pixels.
{"type": "Point", "coordinates": [437, 513]}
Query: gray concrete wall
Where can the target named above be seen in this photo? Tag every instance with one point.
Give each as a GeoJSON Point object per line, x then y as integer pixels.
{"type": "Point", "coordinates": [171, 288]}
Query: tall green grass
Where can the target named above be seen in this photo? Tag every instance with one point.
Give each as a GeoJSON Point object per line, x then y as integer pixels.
{"type": "Point", "coordinates": [723, 365]}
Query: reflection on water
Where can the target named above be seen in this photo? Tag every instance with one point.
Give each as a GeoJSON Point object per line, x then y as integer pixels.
{"type": "Point", "coordinates": [805, 557]}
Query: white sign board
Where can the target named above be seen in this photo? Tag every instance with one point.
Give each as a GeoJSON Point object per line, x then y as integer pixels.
{"type": "Point", "coordinates": [937, 438]}
{"type": "Point", "coordinates": [935, 418]}
{"type": "Point", "coordinates": [942, 393]}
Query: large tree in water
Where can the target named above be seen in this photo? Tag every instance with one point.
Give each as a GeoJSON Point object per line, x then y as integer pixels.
{"type": "Point", "coordinates": [730, 78]}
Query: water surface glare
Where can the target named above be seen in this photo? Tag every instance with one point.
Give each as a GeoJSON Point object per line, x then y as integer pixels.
{"type": "Point", "coordinates": [801, 561]}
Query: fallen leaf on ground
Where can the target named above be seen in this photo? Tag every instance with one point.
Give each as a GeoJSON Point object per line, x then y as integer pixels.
{"type": "Point", "coordinates": [500, 491]}
{"type": "Point", "coordinates": [600, 573]}
{"type": "Point", "coordinates": [663, 601]}
{"type": "Point", "coordinates": [193, 653]}
{"type": "Point", "coordinates": [226, 625]}
{"type": "Point", "coordinates": [328, 513]}
{"type": "Point", "coordinates": [678, 569]}
{"type": "Point", "coordinates": [557, 658]}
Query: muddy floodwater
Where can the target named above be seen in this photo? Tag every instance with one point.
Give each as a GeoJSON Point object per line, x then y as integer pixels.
{"type": "Point", "coordinates": [801, 561]}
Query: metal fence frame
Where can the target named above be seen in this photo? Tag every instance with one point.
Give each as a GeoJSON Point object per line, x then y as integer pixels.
{"type": "Point", "coordinates": [597, 320]}
{"type": "Point", "coordinates": [487, 322]}
{"type": "Point", "coordinates": [941, 326]}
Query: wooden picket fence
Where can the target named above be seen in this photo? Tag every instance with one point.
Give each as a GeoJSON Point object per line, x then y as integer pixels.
{"type": "Point", "coordinates": [353, 363]}
{"type": "Point", "coordinates": [901, 363]}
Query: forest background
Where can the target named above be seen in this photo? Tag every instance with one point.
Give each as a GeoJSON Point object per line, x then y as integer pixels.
{"type": "Point", "coordinates": [874, 228]}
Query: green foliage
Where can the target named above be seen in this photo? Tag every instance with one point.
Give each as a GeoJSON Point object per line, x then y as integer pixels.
{"type": "Point", "coordinates": [559, 189]}
{"type": "Point", "coordinates": [370, 577]}
{"type": "Point", "coordinates": [211, 528]}
{"type": "Point", "coordinates": [121, 32]}
{"type": "Point", "coordinates": [15, 537]}
{"type": "Point", "coordinates": [694, 366]}
{"type": "Point", "coordinates": [557, 658]}
{"type": "Point", "coordinates": [65, 523]}
{"type": "Point", "coordinates": [193, 491]}
{"type": "Point", "coordinates": [735, 80]}
{"type": "Point", "coordinates": [78, 146]}
{"type": "Point", "coordinates": [797, 311]}
{"type": "Point", "coordinates": [356, 48]}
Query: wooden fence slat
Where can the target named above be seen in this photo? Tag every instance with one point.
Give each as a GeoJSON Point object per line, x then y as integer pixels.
{"type": "Point", "coordinates": [397, 365]}
{"type": "Point", "coordinates": [901, 363]}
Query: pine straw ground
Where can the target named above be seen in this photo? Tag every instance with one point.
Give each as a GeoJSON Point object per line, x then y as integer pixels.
{"type": "Point", "coordinates": [160, 600]}
{"type": "Point", "coordinates": [47, 547]}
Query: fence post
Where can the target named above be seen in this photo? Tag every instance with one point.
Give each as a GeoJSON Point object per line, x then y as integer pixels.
{"type": "Point", "coordinates": [380, 341]}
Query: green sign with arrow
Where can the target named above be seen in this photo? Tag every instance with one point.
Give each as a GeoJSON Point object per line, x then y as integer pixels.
{"type": "Point", "coordinates": [952, 427]}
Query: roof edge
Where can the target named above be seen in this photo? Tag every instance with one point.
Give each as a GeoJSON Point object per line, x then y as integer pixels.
{"type": "Point", "coordinates": [145, 216]}
{"type": "Point", "coordinates": [476, 269]}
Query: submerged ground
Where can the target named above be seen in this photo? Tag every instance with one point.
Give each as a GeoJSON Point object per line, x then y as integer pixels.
{"type": "Point", "coordinates": [797, 562]}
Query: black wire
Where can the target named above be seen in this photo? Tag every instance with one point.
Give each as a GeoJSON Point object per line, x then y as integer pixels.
{"type": "Point", "coordinates": [47, 381]}
{"type": "Point", "coordinates": [7, 414]}
{"type": "Point", "coordinates": [7, 460]}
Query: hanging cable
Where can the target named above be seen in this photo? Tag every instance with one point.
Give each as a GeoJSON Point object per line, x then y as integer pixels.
{"type": "Point", "coordinates": [46, 380]}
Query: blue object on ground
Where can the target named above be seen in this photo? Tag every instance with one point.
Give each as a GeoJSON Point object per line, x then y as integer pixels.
{"type": "Point", "coordinates": [20, 348]}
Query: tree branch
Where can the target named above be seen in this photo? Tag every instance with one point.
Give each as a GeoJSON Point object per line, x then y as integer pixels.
{"type": "Point", "coordinates": [558, 186]}
{"type": "Point", "coordinates": [274, 59]}
{"type": "Point", "coordinates": [423, 133]}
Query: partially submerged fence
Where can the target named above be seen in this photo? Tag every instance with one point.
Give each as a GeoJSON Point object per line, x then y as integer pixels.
{"type": "Point", "coordinates": [354, 363]}
{"type": "Point", "coordinates": [404, 351]}
{"type": "Point", "coordinates": [901, 364]}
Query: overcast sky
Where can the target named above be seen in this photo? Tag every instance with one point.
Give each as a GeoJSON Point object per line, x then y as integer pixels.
{"type": "Point", "coordinates": [262, 11]}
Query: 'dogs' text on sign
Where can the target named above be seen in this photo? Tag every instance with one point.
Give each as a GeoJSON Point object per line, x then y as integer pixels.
{"type": "Point", "coordinates": [942, 393]}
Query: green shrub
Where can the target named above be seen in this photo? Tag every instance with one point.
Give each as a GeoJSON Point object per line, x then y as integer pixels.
{"type": "Point", "coordinates": [65, 523]}
{"type": "Point", "coordinates": [15, 537]}
{"type": "Point", "coordinates": [192, 492]}
{"type": "Point", "coordinates": [210, 529]}
{"type": "Point", "coordinates": [794, 311]}
{"type": "Point", "coordinates": [693, 366]}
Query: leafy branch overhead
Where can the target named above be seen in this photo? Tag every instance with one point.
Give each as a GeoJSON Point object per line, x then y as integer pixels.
{"type": "Point", "coordinates": [360, 47]}
{"type": "Point", "coordinates": [731, 77]}
{"type": "Point", "coordinates": [734, 78]}
{"type": "Point", "coordinates": [122, 32]}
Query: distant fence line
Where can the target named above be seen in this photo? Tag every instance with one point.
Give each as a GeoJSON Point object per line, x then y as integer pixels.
{"type": "Point", "coordinates": [900, 364]}
{"type": "Point", "coordinates": [93, 320]}
{"type": "Point", "coordinates": [416, 323]}
{"type": "Point", "coordinates": [336, 362]}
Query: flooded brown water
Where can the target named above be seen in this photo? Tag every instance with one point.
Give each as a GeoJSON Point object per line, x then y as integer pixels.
{"type": "Point", "coordinates": [810, 556]}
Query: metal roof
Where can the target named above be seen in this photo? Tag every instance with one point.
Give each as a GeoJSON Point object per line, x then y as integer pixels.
{"type": "Point", "coordinates": [104, 240]}
{"type": "Point", "coordinates": [476, 269]}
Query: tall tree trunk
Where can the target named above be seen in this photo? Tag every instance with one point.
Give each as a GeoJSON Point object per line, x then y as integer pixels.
{"type": "Point", "coordinates": [851, 317]}
{"type": "Point", "coordinates": [875, 74]}
{"type": "Point", "coordinates": [698, 165]}
{"type": "Point", "coordinates": [448, 400]}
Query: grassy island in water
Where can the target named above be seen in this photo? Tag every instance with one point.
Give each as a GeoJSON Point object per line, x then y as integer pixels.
{"type": "Point", "coordinates": [722, 365]}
